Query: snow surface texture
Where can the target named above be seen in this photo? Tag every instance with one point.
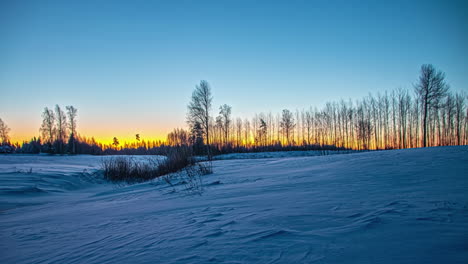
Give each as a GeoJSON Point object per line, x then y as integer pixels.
{"type": "Point", "coordinates": [399, 206]}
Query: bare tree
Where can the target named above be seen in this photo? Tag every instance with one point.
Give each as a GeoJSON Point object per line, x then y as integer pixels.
{"type": "Point", "coordinates": [72, 113]}
{"type": "Point", "coordinates": [459, 105]}
{"type": "Point", "coordinates": [386, 112]}
{"type": "Point", "coordinates": [394, 111]}
{"type": "Point", "coordinates": [446, 132]}
{"type": "Point", "coordinates": [247, 132]}
{"type": "Point", "coordinates": [225, 112]}
{"type": "Point", "coordinates": [308, 124]}
{"type": "Point", "coordinates": [415, 121]}
{"type": "Point", "coordinates": [270, 128]}
{"type": "Point", "coordinates": [61, 124]}
{"type": "Point", "coordinates": [238, 132]}
{"type": "Point", "coordinates": [430, 90]}
{"type": "Point", "coordinates": [218, 132]}
{"type": "Point", "coordinates": [403, 108]}
{"type": "Point", "coordinates": [199, 109]}
{"type": "Point", "coordinates": [4, 131]}
{"type": "Point", "coordinates": [48, 126]}
{"type": "Point", "coordinates": [364, 132]}
{"type": "Point", "coordinates": [287, 125]}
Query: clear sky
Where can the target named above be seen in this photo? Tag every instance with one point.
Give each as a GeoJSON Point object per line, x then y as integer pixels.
{"type": "Point", "coordinates": [130, 67]}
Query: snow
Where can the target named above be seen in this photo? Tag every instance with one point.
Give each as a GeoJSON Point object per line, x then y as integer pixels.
{"type": "Point", "coordinates": [399, 206]}
{"type": "Point", "coordinates": [281, 154]}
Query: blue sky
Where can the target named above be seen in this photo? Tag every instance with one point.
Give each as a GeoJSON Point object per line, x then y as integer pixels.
{"type": "Point", "coordinates": [130, 67]}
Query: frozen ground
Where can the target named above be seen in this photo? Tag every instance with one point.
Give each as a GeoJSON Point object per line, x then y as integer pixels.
{"type": "Point", "coordinates": [400, 206]}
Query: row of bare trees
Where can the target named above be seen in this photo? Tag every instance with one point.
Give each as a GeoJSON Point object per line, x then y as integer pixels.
{"type": "Point", "coordinates": [428, 115]}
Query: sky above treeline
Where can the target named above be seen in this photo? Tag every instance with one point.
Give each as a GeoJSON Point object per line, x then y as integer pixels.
{"type": "Point", "coordinates": [130, 66]}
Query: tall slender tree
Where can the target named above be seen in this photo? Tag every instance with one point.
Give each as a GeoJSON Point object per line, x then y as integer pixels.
{"type": "Point", "coordinates": [287, 125]}
{"type": "Point", "coordinates": [48, 127]}
{"type": "Point", "coordinates": [430, 89]}
{"type": "Point", "coordinates": [459, 105]}
{"type": "Point", "coordinates": [199, 110]}
{"type": "Point", "coordinates": [71, 114]}
{"type": "Point", "coordinates": [225, 112]}
{"type": "Point", "coordinates": [61, 124]}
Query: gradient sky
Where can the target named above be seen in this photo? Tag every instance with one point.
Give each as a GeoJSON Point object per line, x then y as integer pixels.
{"type": "Point", "coordinates": [130, 67]}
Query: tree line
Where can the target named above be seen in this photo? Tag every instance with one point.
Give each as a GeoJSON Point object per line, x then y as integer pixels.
{"type": "Point", "coordinates": [427, 115]}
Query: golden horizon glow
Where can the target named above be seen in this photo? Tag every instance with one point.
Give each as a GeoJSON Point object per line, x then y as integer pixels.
{"type": "Point", "coordinates": [103, 131]}
{"type": "Point", "coordinates": [105, 137]}
{"type": "Point", "coordinates": [101, 140]}
{"type": "Point", "coordinates": [123, 141]}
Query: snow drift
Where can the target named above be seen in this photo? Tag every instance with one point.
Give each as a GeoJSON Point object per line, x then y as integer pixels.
{"type": "Point", "coordinates": [400, 206]}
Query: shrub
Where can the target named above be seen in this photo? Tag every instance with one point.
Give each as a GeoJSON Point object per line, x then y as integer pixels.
{"type": "Point", "coordinates": [130, 169]}
{"type": "Point", "coordinates": [177, 158]}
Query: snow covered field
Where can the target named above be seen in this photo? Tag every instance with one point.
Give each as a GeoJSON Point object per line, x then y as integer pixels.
{"type": "Point", "coordinates": [399, 206]}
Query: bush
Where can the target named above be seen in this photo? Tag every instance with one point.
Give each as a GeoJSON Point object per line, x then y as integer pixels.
{"type": "Point", "coordinates": [177, 158]}
{"type": "Point", "coordinates": [130, 169]}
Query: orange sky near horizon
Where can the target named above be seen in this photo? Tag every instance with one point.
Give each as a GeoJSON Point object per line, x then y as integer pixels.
{"type": "Point", "coordinates": [103, 131]}
{"type": "Point", "coordinates": [104, 137]}
{"type": "Point", "coordinates": [101, 136]}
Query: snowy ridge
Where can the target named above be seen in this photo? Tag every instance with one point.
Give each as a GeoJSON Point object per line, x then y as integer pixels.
{"type": "Point", "coordinates": [399, 206]}
{"type": "Point", "coordinates": [25, 177]}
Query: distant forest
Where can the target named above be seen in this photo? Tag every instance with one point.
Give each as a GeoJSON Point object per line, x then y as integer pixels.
{"type": "Point", "coordinates": [427, 115]}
